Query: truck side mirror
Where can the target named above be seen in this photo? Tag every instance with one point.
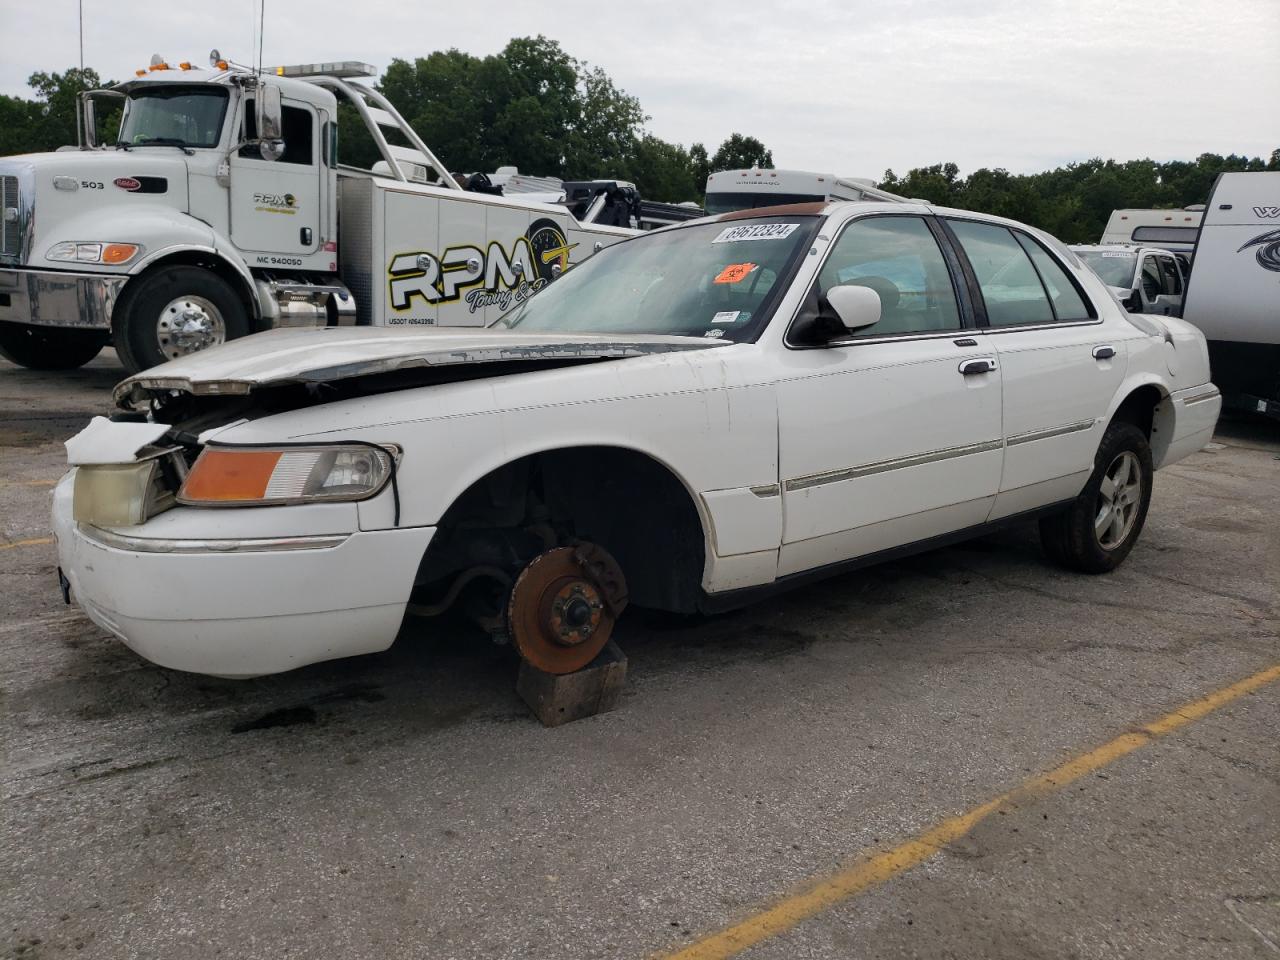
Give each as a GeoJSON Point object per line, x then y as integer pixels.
{"type": "Point", "coordinates": [86, 112]}
{"type": "Point", "coordinates": [89, 130]}
{"type": "Point", "coordinates": [268, 117]}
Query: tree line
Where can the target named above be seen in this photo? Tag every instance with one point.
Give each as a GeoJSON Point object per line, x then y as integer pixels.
{"type": "Point", "coordinates": [536, 107]}
{"type": "Point", "coordinates": [1073, 202]}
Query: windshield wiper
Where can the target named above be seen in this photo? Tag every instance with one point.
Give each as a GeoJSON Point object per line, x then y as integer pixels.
{"type": "Point", "coordinates": [165, 142]}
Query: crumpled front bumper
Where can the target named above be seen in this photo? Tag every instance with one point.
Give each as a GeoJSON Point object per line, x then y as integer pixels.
{"type": "Point", "coordinates": [239, 607]}
{"type": "Point", "coordinates": [50, 298]}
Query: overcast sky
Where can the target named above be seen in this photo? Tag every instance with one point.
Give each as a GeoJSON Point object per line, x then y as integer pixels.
{"type": "Point", "coordinates": [845, 86]}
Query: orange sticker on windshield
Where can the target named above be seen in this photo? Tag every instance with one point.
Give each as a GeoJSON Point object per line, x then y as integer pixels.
{"type": "Point", "coordinates": [734, 273]}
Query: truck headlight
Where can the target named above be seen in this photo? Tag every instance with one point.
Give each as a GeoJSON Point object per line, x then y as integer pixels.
{"type": "Point", "coordinates": [82, 252]}
{"type": "Point", "coordinates": [251, 476]}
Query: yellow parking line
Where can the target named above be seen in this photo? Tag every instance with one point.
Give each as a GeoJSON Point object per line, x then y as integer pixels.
{"type": "Point", "coordinates": [34, 542]}
{"type": "Point", "coordinates": [28, 483]}
{"type": "Point", "coordinates": [875, 869]}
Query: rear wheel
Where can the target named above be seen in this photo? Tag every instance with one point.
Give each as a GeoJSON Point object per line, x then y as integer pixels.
{"type": "Point", "coordinates": [49, 348]}
{"type": "Point", "coordinates": [174, 312]}
{"type": "Point", "coordinates": [1098, 530]}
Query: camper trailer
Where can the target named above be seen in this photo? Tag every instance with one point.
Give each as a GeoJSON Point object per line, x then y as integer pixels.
{"type": "Point", "coordinates": [1233, 295]}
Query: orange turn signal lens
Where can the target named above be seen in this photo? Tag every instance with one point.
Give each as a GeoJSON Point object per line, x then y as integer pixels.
{"type": "Point", "coordinates": [228, 476]}
{"type": "Point", "coordinates": [118, 252]}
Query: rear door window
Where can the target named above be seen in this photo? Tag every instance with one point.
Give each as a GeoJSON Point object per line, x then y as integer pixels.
{"type": "Point", "coordinates": [1063, 296]}
{"type": "Point", "coordinates": [1011, 288]}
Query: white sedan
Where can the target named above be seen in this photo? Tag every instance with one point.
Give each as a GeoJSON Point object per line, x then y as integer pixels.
{"type": "Point", "coordinates": [686, 421]}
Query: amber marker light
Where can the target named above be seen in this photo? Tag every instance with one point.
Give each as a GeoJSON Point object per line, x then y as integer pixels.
{"type": "Point", "coordinates": [230, 475]}
{"type": "Point", "coordinates": [118, 252]}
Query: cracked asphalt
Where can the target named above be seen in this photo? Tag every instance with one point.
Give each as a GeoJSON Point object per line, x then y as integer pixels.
{"type": "Point", "coordinates": [406, 804]}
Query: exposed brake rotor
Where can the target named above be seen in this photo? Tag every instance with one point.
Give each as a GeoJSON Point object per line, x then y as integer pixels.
{"type": "Point", "coordinates": [564, 605]}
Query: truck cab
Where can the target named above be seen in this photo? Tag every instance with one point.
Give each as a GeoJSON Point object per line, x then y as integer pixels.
{"type": "Point", "coordinates": [223, 210]}
{"type": "Point", "coordinates": [1143, 279]}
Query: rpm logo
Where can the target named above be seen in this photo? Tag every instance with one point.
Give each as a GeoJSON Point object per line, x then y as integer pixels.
{"type": "Point", "coordinates": [276, 199]}
{"type": "Point", "coordinates": [1266, 213]}
{"type": "Point", "coordinates": [275, 203]}
{"type": "Point", "coordinates": [128, 183]}
{"type": "Point", "coordinates": [550, 248]}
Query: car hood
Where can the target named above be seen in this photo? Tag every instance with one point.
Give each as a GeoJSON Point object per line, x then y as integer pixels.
{"type": "Point", "coordinates": [339, 353]}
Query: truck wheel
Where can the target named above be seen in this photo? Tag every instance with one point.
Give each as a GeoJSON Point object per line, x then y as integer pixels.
{"type": "Point", "coordinates": [1098, 530]}
{"type": "Point", "coordinates": [174, 312]}
{"type": "Point", "coordinates": [49, 348]}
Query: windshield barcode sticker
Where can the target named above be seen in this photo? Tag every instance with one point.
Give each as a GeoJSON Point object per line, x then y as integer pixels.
{"type": "Point", "coordinates": [726, 316]}
{"type": "Point", "coordinates": [756, 231]}
{"type": "Point", "coordinates": [1123, 256]}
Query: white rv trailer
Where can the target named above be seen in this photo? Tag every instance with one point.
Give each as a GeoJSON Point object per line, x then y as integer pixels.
{"type": "Point", "coordinates": [1172, 230]}
{"type": "Point", "coordinates": [1233, 294]}
{"type": "Point", "coordinates": [729, 190]}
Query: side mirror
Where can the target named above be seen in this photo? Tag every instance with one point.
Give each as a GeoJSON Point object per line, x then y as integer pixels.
{"type": "Point", "coordinates": [86, 110]}
{"type": "Point", "coordinates": [856, 307]}
{"type": "Point", "coordinates": [89, 122]}
{"type": "Point", "coordinates": [268, 116]}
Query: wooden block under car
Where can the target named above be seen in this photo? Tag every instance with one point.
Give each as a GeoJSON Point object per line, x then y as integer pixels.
{"type": "Point", "coordinates": [561, 698]}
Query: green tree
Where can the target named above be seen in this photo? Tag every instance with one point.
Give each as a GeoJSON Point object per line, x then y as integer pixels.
{"type": "Point", "coordinates": [700, 164]}
{"type": "Point", "coordinates": [49, 120]}
{"type": "Point", "coordinates": [663, 171]}
{"type": "Point", "coordinates": [740, 153]}
{"type": "Point", "coordinates": [535, 107]}
{"type": "Point", "coordinates": [1074, 202]}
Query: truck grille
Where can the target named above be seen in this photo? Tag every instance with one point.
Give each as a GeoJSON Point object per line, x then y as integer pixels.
{"type": "Point", "coordinates": [11, 239]}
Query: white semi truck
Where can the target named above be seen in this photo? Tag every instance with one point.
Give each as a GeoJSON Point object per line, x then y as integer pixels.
{"type": "Point", "coordinates": [223, 210]}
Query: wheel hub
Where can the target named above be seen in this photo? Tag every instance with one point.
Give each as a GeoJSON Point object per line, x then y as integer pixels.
{"type": "Point", "coordinates": [576, 612]}
{"type": "Point", "coordinates": [188, 324]}
{"type": "Point", "coordinates": [563, 607]}
{"type": "Point", "coordinates": [1119, 497]}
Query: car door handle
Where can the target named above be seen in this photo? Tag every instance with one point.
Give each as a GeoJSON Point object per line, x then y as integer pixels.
{"type": "Point", "coordinates": [1104, 352]}
{"type": "Point", "coordinates": [977, 365]}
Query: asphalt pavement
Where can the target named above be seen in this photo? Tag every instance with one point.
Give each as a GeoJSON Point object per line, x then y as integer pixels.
{"type": "Point", "coordinates": [808, 770]}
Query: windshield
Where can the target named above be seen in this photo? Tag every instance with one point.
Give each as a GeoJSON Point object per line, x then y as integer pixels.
{"type": "Point", "coordinates": [718, 280]}
{"type": "Point", "coordinates": [1115, 267]}
{"type": "Point", "coordinates": [183, 116]}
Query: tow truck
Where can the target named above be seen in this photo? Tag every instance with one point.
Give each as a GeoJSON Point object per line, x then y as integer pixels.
{"type": "Point", "coordinates": [223, 209]}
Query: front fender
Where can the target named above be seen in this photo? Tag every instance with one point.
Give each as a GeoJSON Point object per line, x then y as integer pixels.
{"type": "Point", "coordinates": [156, 229]}
{"type": "Point", "coordinates": [183, 235]}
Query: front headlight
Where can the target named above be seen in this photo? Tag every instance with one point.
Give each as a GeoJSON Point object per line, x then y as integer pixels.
{"type": "Point", "coordinates": [251, 476]}
{"type": "Point", "coordinates": [82, 252]}
{"type": "Point", "coordinates": [127, 494]}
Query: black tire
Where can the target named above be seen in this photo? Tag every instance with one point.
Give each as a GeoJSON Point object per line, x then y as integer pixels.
{"type": "Point", "coordinates": [144, 334]}
{"type": "Point", "coordinates": [49, 348]}
{"type": "Point", "coordinates": [1072, 538]}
